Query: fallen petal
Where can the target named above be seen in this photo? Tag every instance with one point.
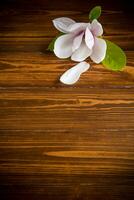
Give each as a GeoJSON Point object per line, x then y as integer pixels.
{"type": "Point", "coordinates": [99, 50]}
{"type": "Point", "coordinates": [63, 23]}
{"type": "Point", "coordinates": [72, 75]}
{"type": "Point", "coordinates": [63, 46]}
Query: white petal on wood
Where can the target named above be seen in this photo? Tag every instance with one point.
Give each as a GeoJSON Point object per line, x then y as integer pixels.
{"type": "Point", "coordinates": [72, 75]}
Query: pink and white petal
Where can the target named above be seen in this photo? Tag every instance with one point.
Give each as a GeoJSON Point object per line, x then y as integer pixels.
{"type": "Point", "coordinates": [63, 23]}
{"type": "Point", "coordinates": [77, 27]}
{"type": "Point", "coordinates": [89, 39]}
{"type": "Point", "coordinates": [77, 41]}
{"type": "Point", "coordinates": [72, 75]}
{"type": "Point", "coordinates": [81, 53]}
{"type": "Point", "coordinates": [99, 50]}
{"type": "Point", "coordinates": [96, 28]}
{"type": "Point", "coordinates": [63, 46]}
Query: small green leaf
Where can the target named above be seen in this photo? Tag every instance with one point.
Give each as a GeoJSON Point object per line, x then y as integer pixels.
{"type": "Point", "coordinates": [115, 58]}
{"type": "Point", "coordinates": [95, 13]}
{"type": "Point", "coordinates": [51, 45]}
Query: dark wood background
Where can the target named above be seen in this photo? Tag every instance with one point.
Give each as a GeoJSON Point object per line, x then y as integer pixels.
{"type": "Point", "coordinates": [56, 141]}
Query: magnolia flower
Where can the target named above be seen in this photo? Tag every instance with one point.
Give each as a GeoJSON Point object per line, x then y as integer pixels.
{"type": "Point", "coordinates": [80, 41]}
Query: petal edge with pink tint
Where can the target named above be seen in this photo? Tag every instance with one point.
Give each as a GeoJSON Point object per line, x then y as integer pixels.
{"type": "Point", "coordinates": [96, 28]}
{"type": "Point", "coordinates": [99, 50]}
{"type": "Point", "coordinates": [63, 23]}
{"type": "Point", "coordinates": [89, 39]}
{"type": "Point", "coordinates": [75, 28]}
{"type": "Point", "coordinates": [77, 41]}
{"type": "Point", "coordinates": [81, 53]}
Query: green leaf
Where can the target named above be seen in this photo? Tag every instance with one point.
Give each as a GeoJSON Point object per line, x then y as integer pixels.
{"type": "Point", "coordinates": [51, 45]}
{"type": "Point", "coordinates": [115, 58]}
{"type": "Point", "coordinates": [95, 13]}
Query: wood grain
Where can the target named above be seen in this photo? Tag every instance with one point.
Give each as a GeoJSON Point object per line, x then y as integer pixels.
{"type": "Point", "coordinates": [57, 141]}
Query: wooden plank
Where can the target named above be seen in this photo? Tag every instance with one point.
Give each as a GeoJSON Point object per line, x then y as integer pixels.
{"type": "Point", "coordinates": [57, 141]}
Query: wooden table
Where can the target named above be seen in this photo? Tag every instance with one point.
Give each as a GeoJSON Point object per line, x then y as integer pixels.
{"type": "Point", "coordinates": [56, 141]}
